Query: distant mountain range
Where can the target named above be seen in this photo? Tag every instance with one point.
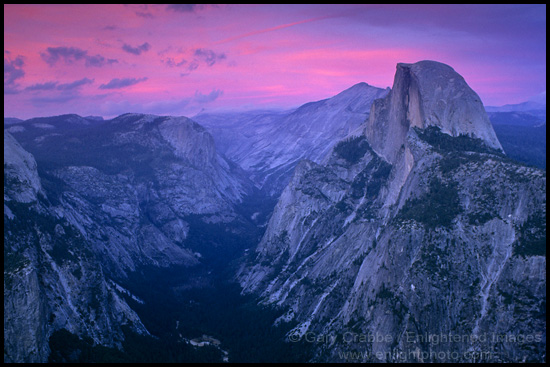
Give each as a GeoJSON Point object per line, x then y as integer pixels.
{"type": "Point", "coordinates": [270, 144]}
{"type": "Point", "coordinates": [521, 107]}
{"type": "Point", "coordinates": [521, 129]}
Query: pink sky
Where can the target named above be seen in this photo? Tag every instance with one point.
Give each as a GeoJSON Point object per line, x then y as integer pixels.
{"type": "Point", "coordinates": [180, 59]}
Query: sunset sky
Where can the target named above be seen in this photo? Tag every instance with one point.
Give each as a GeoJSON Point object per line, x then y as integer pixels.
{"type": "Point", "coordinates": [180, 59]}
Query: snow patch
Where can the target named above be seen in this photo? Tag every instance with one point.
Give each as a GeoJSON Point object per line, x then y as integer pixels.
{"type": "Point", "coordinates": [16, 129]}
{"type": "Point", "coordinates": [43, 126]}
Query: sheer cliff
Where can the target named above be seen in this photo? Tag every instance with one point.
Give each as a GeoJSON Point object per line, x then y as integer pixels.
{"type": "Point", "coordinates": [419, 227]}
{"type": "Point", "coordinates": [427, 93]}
{"type": "Point", "coordinates": [51, 278]}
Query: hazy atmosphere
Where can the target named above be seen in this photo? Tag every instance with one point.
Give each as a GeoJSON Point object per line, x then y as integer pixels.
{"type": "Point", "coordinates": [180, 59]}
{"type": "Point", "coordinates": [275, 183]}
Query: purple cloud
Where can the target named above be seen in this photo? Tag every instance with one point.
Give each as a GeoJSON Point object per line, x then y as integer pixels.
{"type": "Point", "coordinates": [70, 55]}
{"type": "Point", "coordinates": [200, 56]}
{"type": "Point", "coordinates": [158, 107]}
{"type": "Point", "coordinates": [184, 8]}
{"type": "Point", "coordinates": [208, 56]}
{"type": "Point", "coordinates": [144, 14]}
{"type": "Point", "coordinates": [13, 70]}
{"type": "Point", "coordinates": [171, 62]}
{"type": "Point", "coordinates": [61, 98]}
{"type": "Point", "coordinates": [206, 98]}
{"type": "Point", "coordinates": [99, 61]}
{"type": "Point", "coordinates": [42, 86]}
{"type": "Point", "coordinates": [75, 85]}
{"type": "Point", "coordinates": [136, 50]}
{"type": "Point", "coordinates": [117, 83]}
{"type": "Point", "coordinates": [63, 87]}
{"type": "Point", "coordinates": [193, 65]}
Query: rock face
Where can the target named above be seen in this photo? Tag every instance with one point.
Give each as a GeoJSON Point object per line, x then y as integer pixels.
{"type": "Point", "coordinates": [269, 145]}
{"type": "Point", "coordinates": [417, 230]}
{"type": "Point", "coordinates": [102, 200]}
{"type": "Point", "coordinates": [427, 93]}
{"type": "Point", "coordinates": [51, 279]}
{"type": "Point", "coordinates": [20, 168]}
{"type": "Point", "coordinates": [130, 184]}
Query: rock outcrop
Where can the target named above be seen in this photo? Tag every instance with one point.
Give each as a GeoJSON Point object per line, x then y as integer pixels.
{"type": "Point", "coordinates": [427, 93]}
{"type": "Point", "coordinates": [51, 279]}
{"type": "Point", "coordinates": [20, 170]}
{"type": "Point", "coordinates": [420, 229]}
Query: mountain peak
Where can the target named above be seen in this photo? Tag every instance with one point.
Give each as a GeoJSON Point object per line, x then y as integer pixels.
{"type": "Point", "coordinates": [427, 93]}
{"type": "Point", "coordinates": [358, 88]}
{"type": "Point", "coordinates": [357, 96]}
{"type": "Point", "coordinates": [427, 65]}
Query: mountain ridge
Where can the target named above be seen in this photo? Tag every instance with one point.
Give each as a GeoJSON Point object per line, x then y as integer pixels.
{"type": "Point", "coordinates": [270, 145]}
{"type": "Point", "coordinates": [90, 205]}
{"type": "Point", "coordinates": [417, 228]}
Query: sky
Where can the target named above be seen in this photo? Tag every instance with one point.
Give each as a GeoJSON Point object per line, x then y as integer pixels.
{"type": "Point", "coordinates": [106, 60]}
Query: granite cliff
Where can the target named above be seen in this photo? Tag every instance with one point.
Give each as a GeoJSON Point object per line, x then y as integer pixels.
{"type": "Point", "coordinates": [419, 227]}
{"type": "Point", "coordinates": [51, 278]}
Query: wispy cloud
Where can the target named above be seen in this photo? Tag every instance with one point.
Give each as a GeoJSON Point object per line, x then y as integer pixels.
{"type": "Point", "coordinates": [42, 86]}
{"type": "Point", "coordinates": [206, 98]}
{"type": "Point", "coordinates": [144, 14]}
{"type": "Point", "coordinates": [193, 65]}
{"type": "Point", "coordinates": [136, 50]}
{"type": "Point", "coordinates": [117, 83]}
{"type": "Point", "coordinates": [56, 93]}
{"type": "Point", "coordinates": [58, 99]}
{"type": "Point", "coordinates": [159, 107]}
{"type": "Point", "coordinates": [70, 55]}
{"type": "Point", "coordinates": [74, 85]}
{"type": "Point", "coordinates": [198, 57]}
{"type": "Point", "coordinates": [99, 61]}
{"type": "Point", "coordinates": [13, 70]}
{"type": "Point", "coordinates": [63, 87]}
{"type": "Point", "coordinates": [171, 62]}
{"type": "Point", "coordinates": [141, 10]}
{"type": "Point", "coordinates": [271, 29]}
{"type": "Point", "coordinates": [209, 56]}
{"type": "Point", "coordinates": [184, 8]}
